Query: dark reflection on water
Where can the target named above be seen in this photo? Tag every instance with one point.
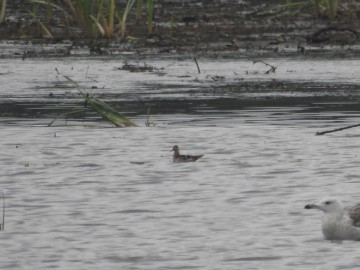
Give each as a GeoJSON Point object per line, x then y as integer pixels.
{"type": "Point", "coordinates": [256, 259]}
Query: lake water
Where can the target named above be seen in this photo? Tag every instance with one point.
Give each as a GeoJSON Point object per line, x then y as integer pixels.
{"type": "Point", "coordinates": [90, 198]}
{"type": "Point", "coordinates": [94, 197]}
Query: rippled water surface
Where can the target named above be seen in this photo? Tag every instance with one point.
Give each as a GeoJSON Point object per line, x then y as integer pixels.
{"type": "Point", "coordinates": [106, 198]}
{"type": "Point", "coordinates": [94, 197]}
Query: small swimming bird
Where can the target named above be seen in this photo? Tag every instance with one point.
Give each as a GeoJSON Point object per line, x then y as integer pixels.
{"type": "Point", "coordinates": [339, 222]}
{"type": "Point", "coordinates": [183, 158]}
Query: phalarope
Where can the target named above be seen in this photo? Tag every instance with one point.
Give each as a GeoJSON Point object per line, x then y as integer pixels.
{"type": "Point", "coordinates": [183, 158]}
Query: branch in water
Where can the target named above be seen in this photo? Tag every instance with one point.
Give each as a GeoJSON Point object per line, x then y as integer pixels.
{"type": "Point", "coordinates": [337, 129]}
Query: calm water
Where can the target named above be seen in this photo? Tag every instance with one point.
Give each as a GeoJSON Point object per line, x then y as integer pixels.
{"type": "Point", "coordinates": [106, 198]}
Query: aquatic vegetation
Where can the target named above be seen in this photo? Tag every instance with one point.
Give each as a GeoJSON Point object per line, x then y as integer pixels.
{"type": "Point", "coordinates": [327, 8]}
{"type": "Point", "coordinates": [97, 18]}
{"type": "Point", "coordinates": [139, 6]}
{"type": "Point", "coordinates": [149, 121]}
{"type": "Point", "coordinates": [83, 13]}
{"type": "Point", "coordinates": [66, 114]}
{"type": "Point", "coordinates": [322, 8]}
{"type": "Point", "coordinates": [107, 112]}
{"type": "Point", "coordinates": [139, 68]}
{"type": "Point", "coordinates": [123, 18]}
{"type": "Point", "coordinates": [2, 10]}
{"type": "Point", "coordinates": [41, 25]}
{"type": "Point", "coordinates": [149, 13]}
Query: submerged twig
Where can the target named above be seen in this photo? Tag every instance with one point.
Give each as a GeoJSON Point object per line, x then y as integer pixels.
{"type": "Point", "coordinates": [272, 68]}
{"type": "Point", "coordinates": [66, 115]}
{"type": "Point", "coordinates": [337, 129]}
{"type": "Point", "coordinates": [197, 64]}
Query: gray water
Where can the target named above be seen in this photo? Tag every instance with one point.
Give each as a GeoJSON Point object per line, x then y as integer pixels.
{"type": "Point", "coordinates": [90, 198]}
{"type": "Point", "coordinates": [80, 197]}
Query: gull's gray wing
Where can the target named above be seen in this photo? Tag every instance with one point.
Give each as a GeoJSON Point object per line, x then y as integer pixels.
{"type": "Point", "coordinates": [354, 214]}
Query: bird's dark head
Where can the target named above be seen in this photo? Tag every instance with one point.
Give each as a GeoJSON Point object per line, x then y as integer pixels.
{"type": "Point", "coordinates": [175, 148]}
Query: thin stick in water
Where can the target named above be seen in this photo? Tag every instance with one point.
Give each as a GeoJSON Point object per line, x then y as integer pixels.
{"type": "Point", "coordinates": [196, 62]}
{"type": "Point", "coordinates": [337, 129]}
{"type": "Point", "coordinates": [148, 117]}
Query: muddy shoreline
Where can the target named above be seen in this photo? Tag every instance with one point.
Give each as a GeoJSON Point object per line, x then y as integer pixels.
{"type": "Point", "coordinates": [216, 30]}
{"type": "Point", "coordinates": [195, 27]}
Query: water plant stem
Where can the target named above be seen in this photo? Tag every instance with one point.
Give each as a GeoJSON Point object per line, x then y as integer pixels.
{"type": "Point", "coordinates": [123, 18]}
{"type": "Point", "coordinates": [139, 6]}
{"type": "Point", "coordinates": [150, 15]}
{"type": "Point", "coordinates": [107, 112]}
{"type": "Point", "coordinates": [2, 10]}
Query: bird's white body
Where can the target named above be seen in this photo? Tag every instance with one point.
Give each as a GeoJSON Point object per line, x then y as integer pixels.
{"type": "Point", "coordinates": [336, 227]}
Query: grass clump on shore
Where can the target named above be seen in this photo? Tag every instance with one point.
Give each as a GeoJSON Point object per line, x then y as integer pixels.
{"type": "Point", "coordinates": [328, 8]}
{"type": "Point", "coordinates": [2, 10]}
{"type": "Point", "coordinates": [95, 18]}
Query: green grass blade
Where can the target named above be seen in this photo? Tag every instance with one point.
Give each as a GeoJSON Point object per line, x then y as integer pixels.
{"type": "Point", "coordinates": [2, 10]}
{"type": "Point", "coordinates": [139, 6]}
{"type": "Point", "coordinates": [127, 10]}
{"type": "Point", "coordinates": [106, 111]}
{"type": "Point", "coordinates": [332, 8]}
{"type": "Point", "coordinates": [150, 15]}
{"type": "Point", "coordinates": [99, 26]}
{"type": "Point", "coordinates": [43, 27]}
{"type": "Point", "coordinates": [109, 113]}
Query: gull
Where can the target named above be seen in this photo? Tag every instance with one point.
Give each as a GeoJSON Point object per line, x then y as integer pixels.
{"type": "Point", "coordinates": [339, 222]}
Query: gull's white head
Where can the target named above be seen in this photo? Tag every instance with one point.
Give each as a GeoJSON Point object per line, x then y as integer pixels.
{"type": "Point", "coordinates": [328, 206]}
